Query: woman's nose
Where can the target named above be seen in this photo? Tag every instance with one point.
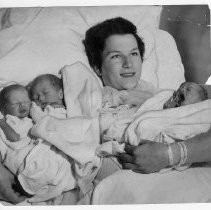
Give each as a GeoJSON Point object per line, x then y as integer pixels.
{"type": "Point", "coordinates": [127, 62]}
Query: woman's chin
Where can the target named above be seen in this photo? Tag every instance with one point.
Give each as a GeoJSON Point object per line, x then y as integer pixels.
{"type": "Point", "coordinates": [129, 83]}
{"type": "Point", "coordinates": [129, 86]}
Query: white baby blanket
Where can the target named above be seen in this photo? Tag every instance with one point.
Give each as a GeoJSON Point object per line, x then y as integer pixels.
{"type": "Point", "coordinates": [167, 125]}
{"type": "Point", "coordinates": [78, 135]}
{"type": "Point", "coordinates": [43, 170]}
{"type": "Point", "coordinates": [14, 153]}
{"type": "Point", "coordinates": [151, 122]}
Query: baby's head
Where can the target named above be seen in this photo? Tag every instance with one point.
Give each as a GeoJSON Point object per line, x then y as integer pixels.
{"type": "Point", "coordinates": [187, 93]}
{"type": "Point", "coordinates": [14, 100]}
{"type": "Point", "coordinates": [46, 89]}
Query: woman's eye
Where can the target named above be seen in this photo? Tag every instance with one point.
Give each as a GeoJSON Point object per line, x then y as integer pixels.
{"type": "Point", "coordinates": [115, 56]}
{"type": "Point", "coordinates": [134, 54]}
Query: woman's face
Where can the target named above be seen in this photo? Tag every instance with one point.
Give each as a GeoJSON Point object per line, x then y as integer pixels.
{"type": "Point", "coordinates": [121, 62]}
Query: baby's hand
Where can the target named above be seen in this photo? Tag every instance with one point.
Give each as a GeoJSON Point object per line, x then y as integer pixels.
{"type": "Point", "coordinates": [36, 112]}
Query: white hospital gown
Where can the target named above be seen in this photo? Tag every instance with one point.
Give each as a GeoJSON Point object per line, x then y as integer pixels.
{"type": "Point", "coordinates": [113, 111]}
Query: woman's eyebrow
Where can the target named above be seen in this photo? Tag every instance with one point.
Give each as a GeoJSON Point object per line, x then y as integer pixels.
{"type": "Point", "coordinates": [118, 51]}
{"type": "Point", "coordinates": [111, 52]}
{"type": "Point", "coordinates": [135, 48]}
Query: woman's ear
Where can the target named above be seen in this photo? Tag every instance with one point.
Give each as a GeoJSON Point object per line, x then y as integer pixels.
{"type": "Point", "coordinates": [98, 72]}
{"type": "Point", "coordinates": [61, 94]}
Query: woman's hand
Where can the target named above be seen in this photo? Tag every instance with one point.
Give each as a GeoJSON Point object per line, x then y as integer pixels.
{"type": "Point", "coordinates": [136, 97]}
{"type": "Point", "coordinates": [7, 192]}
{"type": "Point", "coordinates": [147, 157]}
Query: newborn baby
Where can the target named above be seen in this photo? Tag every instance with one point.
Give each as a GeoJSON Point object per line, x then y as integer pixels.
{"type": "Point", "coordinates": [188, 93]}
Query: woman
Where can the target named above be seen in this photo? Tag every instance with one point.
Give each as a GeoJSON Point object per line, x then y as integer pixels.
{"type": "Point", "coordinates": [115, 52]}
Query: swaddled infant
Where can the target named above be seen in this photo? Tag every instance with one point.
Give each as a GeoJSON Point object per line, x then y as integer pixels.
{"type": "Point", "coordinates": [187, 93]}
{"type": "Point", "coordinates": [43, 171]}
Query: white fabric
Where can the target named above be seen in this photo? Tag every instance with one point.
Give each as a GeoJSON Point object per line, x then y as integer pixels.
{"type": "Point", "coordinates": [208, 81]}
{"type": "Point", "coordinates": [82, 91]}
{"type": "Point", "coordinates": [21, 126]}
{"type": "Point", "coordinates": [178, 123]}
{"type": "Point", "coordinates": [14, 153]}
{"type": "Point", "coordinates": [42, 170]}
{"type": "Point", "coordinates": [126, 187]}
{"type": "Point", "coordinates": [37, 114]}
{"type": "Point", "coordinates": [78, 135]}
{"type": "Point", "coordinates": [114, 109]}
{"type": "Point", "coordinates": [153, 123]}
{"type": "Point", "coordinates": [40, 40]}
{"type": "Point", "coordinates": [47, 174]}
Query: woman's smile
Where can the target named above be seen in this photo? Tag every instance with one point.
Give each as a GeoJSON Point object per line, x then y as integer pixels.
{"type": "Point", "coordinates": [128, 74]}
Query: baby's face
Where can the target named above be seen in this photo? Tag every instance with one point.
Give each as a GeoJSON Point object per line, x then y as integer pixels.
{"type": "Point", "coordinates": [188, 93]}
{"type": "Point", "coordinates": [45, 94]}
{"type": "Point", "coordinates": [18, 103]}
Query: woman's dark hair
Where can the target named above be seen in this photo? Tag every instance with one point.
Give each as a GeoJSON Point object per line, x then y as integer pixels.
{"type": "Point", "coordinates": [95, 37]}
{"type": "Point", "coordinates": [5, 94]}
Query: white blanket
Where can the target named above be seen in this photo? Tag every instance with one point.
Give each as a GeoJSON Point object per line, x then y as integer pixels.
{"type": "Point", "coordinates": [153, 123]}
{"type": "Point", "coordinates": [178, 123]}
{"type": "Point", "coordinates": [42, 170]}
{"type": "Point", "coordinates": [127, 187]}
{"type": "Point", "coordinates": [78, 135]}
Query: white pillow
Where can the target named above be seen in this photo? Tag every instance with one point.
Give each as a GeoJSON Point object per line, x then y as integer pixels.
{"type": "Point", "coordinates": [209, 81]}
{"type": "Point", "coordinates": [42, 40]}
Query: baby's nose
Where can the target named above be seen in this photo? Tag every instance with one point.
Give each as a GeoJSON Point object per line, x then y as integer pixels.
{"type": "Point", "coordinates": [41, 98]}
{"type": "Point", "coordinates": [25, 105]}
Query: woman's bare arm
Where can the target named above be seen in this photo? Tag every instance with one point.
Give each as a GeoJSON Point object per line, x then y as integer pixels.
{"type": "Point", "coordinates": [151, 156]}
{"type": "Point", "coordinates": [199, 148]}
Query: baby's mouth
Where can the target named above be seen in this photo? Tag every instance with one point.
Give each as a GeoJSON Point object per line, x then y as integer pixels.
{"type": "Point", "coordinates": [128, 74]}
{"type": "Point", "coordinates": [43, 105]}
{"type": "Point", "coordinates": [24, 112]}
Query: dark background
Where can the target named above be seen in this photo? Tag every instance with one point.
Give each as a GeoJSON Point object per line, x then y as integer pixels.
{"type": "Point", "coordinates": [189, 25]}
